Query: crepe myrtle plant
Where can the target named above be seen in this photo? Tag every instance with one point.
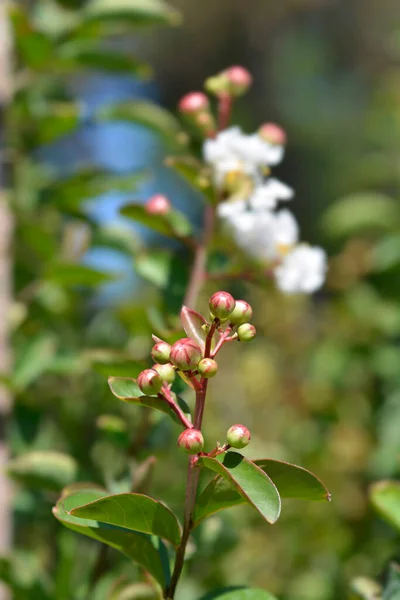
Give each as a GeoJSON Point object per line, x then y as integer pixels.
{"type": "Point", "coordinates": [144, 528]}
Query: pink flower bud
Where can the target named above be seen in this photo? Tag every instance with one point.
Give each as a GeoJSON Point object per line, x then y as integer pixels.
{"type": "Point", "coordinates": [186, 354]}
{"type": "Point", "coordinates": [191, 441]}
{"type": "Point", "coordinates": [207, 368]}
{"type": "Point", "coordinates": [149, 381]}
{"type": "Point", "coordinates": [221, 305]}
{"type": "Point", "coordinates": [158, 205]}
{"type": "Point", "coordinates": [238, 436]}
{"type": "Point", "coordinates": [193, 102]}
{"type": "Point", "coordinates": [246, 332]}
{"type": "Point", "coordinates": [273, 134]}
{"type": "Point", "coordinates": [242, 313]}
{"type": "Point", "coordinates": [161, 352]}
{"type": "Point", "coordinates": [239, 79]}
{"type": "Point", "coordinates": [166, 372]}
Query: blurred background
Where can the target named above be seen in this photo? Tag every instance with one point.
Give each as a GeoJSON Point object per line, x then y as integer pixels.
{"type": "Point", "coordinates": [89, 95]}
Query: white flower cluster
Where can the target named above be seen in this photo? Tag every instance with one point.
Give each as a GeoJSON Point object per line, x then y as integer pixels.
{"type": "Point", "coordinates": [268, 235]}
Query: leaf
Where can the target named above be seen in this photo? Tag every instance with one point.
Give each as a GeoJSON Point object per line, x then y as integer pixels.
{"type": "Point", "coordinates": [255, 487]}
{"type": "Point", "coordinates": [135, 512]}
{"type": "Point", "coordinates": [86, 54]}
{"type": "Point", "coordinates": [137, 546]}
{"type": "Point", "coordinates": [291, 481]}
{"type": "Point", "coordinates": [35, 47]}
{"type": "Point", "coordinates": [60, 119]}
{"type": "Point", "coordinates": [144, 113]}
{"type": "Point", "coordinates": [392, 588]}
{"type": "Point", "coordinates": [33, 360]}
{"type": "Point", "coordinates": [385, 497]}
{"type": "Point", "coordinates": [126, 389]}
{"type": "Point", "coordinates": [360, 213]}
{"type": "Point", "coordinates": [192, 171]}
{"type": "Point", "coordinates": [72, 274]}
{"type": "Point", "coordinates": [154, 266]}
{"type": "Point", "coordinates": [87, 183]}
{"type": "Point", "coordinates": [43, 470]}
{"type": "Point", "coordinates": [239, 593]}
{"type": "Point", "coordinates": [386, 253]}
{"type": "Point", "coordinates": [138, 12]}
{"type": "Point", "coordinates": [173, 224]}
{"type": "Point", "coordinates": [194, 325]}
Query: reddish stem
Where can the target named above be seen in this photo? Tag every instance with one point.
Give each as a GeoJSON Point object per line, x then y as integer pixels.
{"type": "Point", "coordinates": [165, 395]}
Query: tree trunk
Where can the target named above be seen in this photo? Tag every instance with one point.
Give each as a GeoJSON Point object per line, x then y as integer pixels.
{"type": "Point", "coordinates": [6, 227]}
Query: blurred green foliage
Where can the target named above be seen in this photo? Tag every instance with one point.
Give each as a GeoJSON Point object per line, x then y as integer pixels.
{"type": "Point", "coordinates": [320, 386]}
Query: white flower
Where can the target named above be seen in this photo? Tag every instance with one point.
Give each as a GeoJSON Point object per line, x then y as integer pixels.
{"type": "Point", "coordinates": [263, 235]}
{"type": "Point", "coordinates": [233, 150]}
{"type": "Point", "coordinates": [285, 230]}
{"type": "Point", "coordinates": [267, 195]}
{"type": "Point", "coordinates": [302, 270]}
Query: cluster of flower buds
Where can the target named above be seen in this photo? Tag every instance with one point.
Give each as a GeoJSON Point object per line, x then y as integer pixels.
{"type": "Point", "coordinates": [194, 359]}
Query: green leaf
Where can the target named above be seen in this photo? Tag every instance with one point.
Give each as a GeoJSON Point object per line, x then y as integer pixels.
{"type": "Point", "coordinates": [35, 47]}
{"type": "Point", "coordinates": [137, 546]}
{"type": "Point", "coordinates": [87, 183]}
{"type": "Point", "coordinates": [126, 389]}
{"type": "Point", "coordinates": [192, 171]}
{"type": "Point", "coordinates": [385, 497]}
{"type": "Point", "coordinates": [253, 485]}
{"type": "Point", "coordinates": [392, 588]}
{"type": "Point", "coordinates": [86, 54]}
{"type": "Point", "coordinates": [135, 512]}
{"type": "Point", "coordinates": [72, 274]}
{"type": "Point", "coordinates": [136, 12]}
{"type": "Point", "coordinates": [33, 360]}
{"type": "Point", "coordinates": [44, 470]}
{"type": "Point", "coordinates": [386, 253]}
{"type": "Point", "coordinates": [60, 119]}
{"type": "Point", "coordinates": [141, 112]}
{"type": "Point", "coordinates": [239, 593]}
{"type": "Point", "coordinates": [360, 213]}
{"type": "Point", "coordinates": [173, 224]}
{"type": "Point", "coordinates": [291, 481]}
{"type": "Point", "coordinates": [154, 266]}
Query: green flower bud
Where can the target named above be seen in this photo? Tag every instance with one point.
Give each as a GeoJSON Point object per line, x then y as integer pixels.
{"type": "Point", "coordinates": [186, 354]}
{"type": "Point", "coordinates": [166, 372]}
{"type": "Point", "coordinates": [161, 353]}
{"type": "Point", "coordinates": [191, 441]}
{"type": "Point", "coordinates": [207, 367]}
{"type": "Point", "coordinates": [242, 313]}
{"type": "Point", "coordinates": [246, 332]}
{"type": "Point", "coordinates": [149, 381]}
{"type": "Point", "coordinates": [221, 305]}
{"type": "Point", "coordinates": [238, 436]}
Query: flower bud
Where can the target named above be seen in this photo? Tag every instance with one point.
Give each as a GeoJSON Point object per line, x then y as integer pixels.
{"type": "Point", "coordinates": [207, 368]}
{"type": "Point", "coordinates": [161, 352]}
{"type": "Point", "coordinates": [273, 134]}
{"type": "Point", "coordinates": [194, 102]}
{"type": "Point", "coordinates": [149, 381]}
{"type": "Point", "coordinates": [246, 332]}
{"type": "Point", "coordinates": [238, 436]}
{"type": "Point", "coordinates": [242, 313]}
{"type": "Point", "coordinates": [166, 372]}
{"type": "Point", "coordinates": [239, 80]}
{"type": "Point", "coordinates": [158, 205]}
{"type": "Point", "coordinates": [191, 441]}
{"type": "Point", "coordinates": [186, 354]}
{"type": "Point", "coordinates": [221, 305]}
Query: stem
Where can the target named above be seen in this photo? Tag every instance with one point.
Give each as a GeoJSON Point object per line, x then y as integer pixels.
{"type": "Point", "coordinates": [200, 259]}
{"type": "Point", "coordinates": [165, 395]}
